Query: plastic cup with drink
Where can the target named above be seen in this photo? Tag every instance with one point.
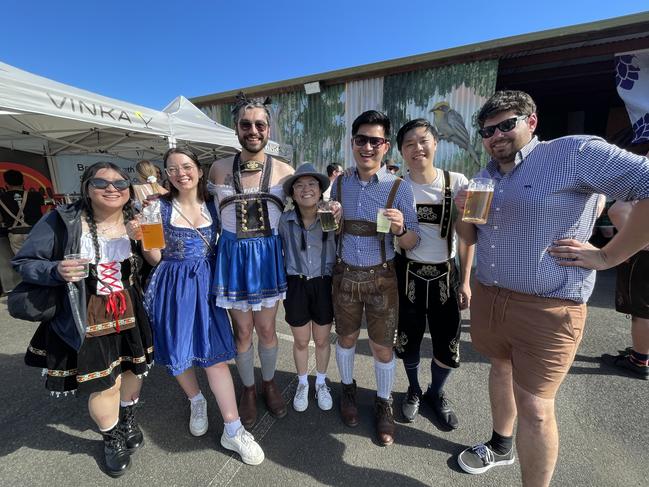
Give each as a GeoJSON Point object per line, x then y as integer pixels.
{"type": "Point", "coordinates": [83, 261]}
{"type": "Point", "coordinates": [151, 225]}
{"type": "Point", "coordinates": [382, 222]}
{"type": "Point", "coordinates": [479, 194]}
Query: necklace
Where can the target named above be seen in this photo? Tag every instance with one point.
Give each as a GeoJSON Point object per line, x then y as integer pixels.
{"type": "Point", "coordinates": [103, 230]}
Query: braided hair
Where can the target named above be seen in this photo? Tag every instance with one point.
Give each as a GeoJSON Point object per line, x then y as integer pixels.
{"type": "Point", "coordinates": [86, 205]}
{"type": "Point", "coordinates": [242, 101]}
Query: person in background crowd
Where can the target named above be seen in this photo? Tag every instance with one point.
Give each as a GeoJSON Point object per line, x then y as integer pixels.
{"type": "Point", "coordinates": [430, 288]}
{"type": "Point", "coordinates": [310, 254]}
{"type": "Point", "coordinates": [364, 279]}
{"type": "Point", "coordinates": [20, 209]}
{"type": "Point", "coordinates": [250, 279]}
{"type": "Point", "coordinates": [528, 305]}
{"type": "Point", "coordinates": [99, 341]}
{"type": "Point", "coordinates": [632, 298]}
{"type": "Point", "coordinates": [189, 329]}
{"type": "Point", "coordinates": [333, 171]}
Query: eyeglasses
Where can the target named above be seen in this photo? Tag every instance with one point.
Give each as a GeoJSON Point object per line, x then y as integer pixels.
{"type": "Point", "coordinates": [260, 125]}
{"type": "Point", "coordinates": [118, 184]}
{"type": "Point", "coordinates": [362, 140]}
{"type": "Point", "coordinates": [175, 171]}
{"type": "Point", "coordinates": [504, 126]}
{"type": "Point", "coordinates": [303, 186]}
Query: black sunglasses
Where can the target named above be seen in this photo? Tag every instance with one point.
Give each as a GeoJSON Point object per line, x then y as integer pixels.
{"type": "Point", "coordinates": [361, 140]}
{"type": "Point", "coordinates": [118, 184]}
{"type": "Point", "coordinates": [504, 126]}
{"type": "Point", "coordinates": [260, 125]}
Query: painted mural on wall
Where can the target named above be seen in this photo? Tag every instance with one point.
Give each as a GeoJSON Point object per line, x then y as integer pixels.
{"type": "Point", "coordinates": [449, 97]}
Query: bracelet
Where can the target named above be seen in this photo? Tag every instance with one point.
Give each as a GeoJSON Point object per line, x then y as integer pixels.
{"type": "Point", "coordinates": [403, 232]}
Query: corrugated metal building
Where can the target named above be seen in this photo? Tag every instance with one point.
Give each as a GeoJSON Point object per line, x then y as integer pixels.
{"type": "Point", "coordinates": [570, 72]}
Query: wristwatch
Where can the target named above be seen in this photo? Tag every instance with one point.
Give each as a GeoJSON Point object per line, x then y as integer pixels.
{"type": "Point", "coordinates": [403, 232]}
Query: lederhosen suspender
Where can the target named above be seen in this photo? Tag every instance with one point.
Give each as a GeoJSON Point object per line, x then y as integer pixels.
{"type": "Point", "coordinates": [364, 228]}
{"type": "Point", "coordinates": [435, 214]}
{"type": "Point", "coordinates": [298, 256]}
{"type": "Point", "coordinates": [251, 209]}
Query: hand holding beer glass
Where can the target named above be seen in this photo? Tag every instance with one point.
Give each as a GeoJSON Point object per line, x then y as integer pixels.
{"type": "Point", "coordinates": [326, 210]}
{"type": "Point", "coordinates": [478, 200]}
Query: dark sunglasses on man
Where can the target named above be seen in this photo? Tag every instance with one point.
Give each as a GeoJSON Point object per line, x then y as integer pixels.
{"type": "Point", "coordinates": [260, 125]}
{"type": "Point", "coordinates": [362, 140]}
{"type": "Point", "coordinates": [118, 184]}
{"type": "Point", "coordinates": [504, 126]}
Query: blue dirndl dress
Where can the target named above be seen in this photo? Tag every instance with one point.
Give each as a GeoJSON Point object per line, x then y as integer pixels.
{"type": "Point", "coordinates": [188, 328]}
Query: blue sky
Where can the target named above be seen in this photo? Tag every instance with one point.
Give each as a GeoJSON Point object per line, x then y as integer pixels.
{"type": "Point", "coordinates": [148, 52]}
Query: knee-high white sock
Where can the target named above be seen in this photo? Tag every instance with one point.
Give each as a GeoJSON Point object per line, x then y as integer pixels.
{"type": "Point", "coordinates": [246, 366]}
{"type": "Point", "coordinates": [384, 377]}
{"type": "Point", "coordinates": [345, 361]}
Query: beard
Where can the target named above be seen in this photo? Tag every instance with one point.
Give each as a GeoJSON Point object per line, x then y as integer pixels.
{"type": "Point", "coordinates": [253, 147]}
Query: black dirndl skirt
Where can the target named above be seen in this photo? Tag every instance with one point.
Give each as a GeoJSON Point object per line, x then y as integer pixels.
{"type": "Point", "coordinates": [101, 359]}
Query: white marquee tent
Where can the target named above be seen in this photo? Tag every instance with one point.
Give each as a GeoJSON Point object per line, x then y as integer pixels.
{"type": "Point", "coordinates": [42, 116]}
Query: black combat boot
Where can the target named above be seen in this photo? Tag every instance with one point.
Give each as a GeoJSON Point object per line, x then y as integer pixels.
{"type": "Point", "coordinates": [117, 456]}
{"type": "Point", "coordinates": [128, 425]}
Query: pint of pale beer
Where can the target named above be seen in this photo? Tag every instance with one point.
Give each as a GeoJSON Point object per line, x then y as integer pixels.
{"type": "Point", "coordinates": [478, 200]}
{"type": "Point", "coordinates": [325, 212]}
{"type": "Point", "coordinates": [152, 231]}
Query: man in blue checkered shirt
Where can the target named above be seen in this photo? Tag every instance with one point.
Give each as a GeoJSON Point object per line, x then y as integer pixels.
{"type": "Point", "coordinates": [535, 271]}
{"type": "Point", "coordinates": [364, 279]}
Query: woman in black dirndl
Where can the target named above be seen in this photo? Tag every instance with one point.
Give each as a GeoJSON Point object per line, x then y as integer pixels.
{"type": "Point", "coordinates": [99, 341]}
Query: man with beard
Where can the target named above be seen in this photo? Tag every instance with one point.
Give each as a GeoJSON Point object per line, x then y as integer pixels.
{"type": "Point", "coordinates": [534, 271]}
{"type": "Point", "coordinates": [377, 208]}
{"type": "Point", "coordinates": [249, 278]}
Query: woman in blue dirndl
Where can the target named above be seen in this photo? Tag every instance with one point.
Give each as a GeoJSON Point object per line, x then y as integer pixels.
{"type": "Point", "coordinates": [188, 327]}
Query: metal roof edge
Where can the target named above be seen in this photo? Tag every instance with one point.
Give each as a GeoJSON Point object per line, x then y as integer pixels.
{"type": "Point", "coordinates": [485, 50]}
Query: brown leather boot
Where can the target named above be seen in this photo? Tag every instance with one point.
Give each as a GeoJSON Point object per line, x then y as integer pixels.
{"type": "Point", "coordinates": [248, 406]}
{"type": "Point", "coordinates": [384, 421]}
{"type": "Point", "coordinates": [348, 409]}
{"type": "Point", "coordinates": [274, 400]}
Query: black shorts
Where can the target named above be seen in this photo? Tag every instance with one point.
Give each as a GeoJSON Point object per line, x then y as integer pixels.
{"type": "Point", "coordinates": [428, 292]}
{"type": "Point", "coordinates": [308, 300]}
{"type": "Point", "coordinates": [632, 287]}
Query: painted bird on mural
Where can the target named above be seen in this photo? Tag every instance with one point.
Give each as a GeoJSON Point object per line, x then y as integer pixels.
{"type": "Point", "coordinates": [451, 128]}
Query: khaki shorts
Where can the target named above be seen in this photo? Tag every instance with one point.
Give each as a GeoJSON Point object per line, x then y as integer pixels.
{"type": "Point", "coordinates": [539, 335]}
{"type": "Point", "coordinates": [373, 289]}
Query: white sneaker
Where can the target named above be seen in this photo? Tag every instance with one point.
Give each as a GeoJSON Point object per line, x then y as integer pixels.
{"type": "Point", "coordinates": [198, 419]}
{"type": "Point", "coordinates": [301, 399]}
{"type": "Point", "coordinates": [323, 395]}
{"type": "Point", "coordinates": [245, 445]}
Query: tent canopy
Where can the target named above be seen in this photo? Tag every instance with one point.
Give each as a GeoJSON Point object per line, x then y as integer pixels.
{"type": "Point", "coordinates": [46, 117]}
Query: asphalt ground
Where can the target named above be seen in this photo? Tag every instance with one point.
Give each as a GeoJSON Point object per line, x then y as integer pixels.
{"type": "Point", "coordinates": [602, 417]}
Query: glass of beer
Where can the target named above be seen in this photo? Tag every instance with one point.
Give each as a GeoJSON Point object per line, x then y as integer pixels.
{"type": "Point", "coordinates": [151, 224]}
{"type": "Point", "coordinates": [478, 200]}
{"type": "Point", "coordinates": [382, 222]}
{"type": "Point", "coordinates": [325, 212]}
{"type": "Point", "coordinates": [83, 260]}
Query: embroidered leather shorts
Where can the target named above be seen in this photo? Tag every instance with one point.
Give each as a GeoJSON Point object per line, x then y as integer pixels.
{"type": "Point", "coordinates": [373, 289]}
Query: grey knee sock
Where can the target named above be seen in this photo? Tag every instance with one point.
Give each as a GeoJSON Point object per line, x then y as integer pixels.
{"type": "Point", "coordinates": [384, 378]}
{"type": "Point", "coordinates": [268, 359]}
{"type": "Point", "coordinates": [345, 361]}
{"type": "Point", "coordinates": [246, 366]}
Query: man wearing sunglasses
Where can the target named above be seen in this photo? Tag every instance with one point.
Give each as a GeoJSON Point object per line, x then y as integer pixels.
{"type": "Point", "coordinates": [364, 279]}
{"type": "Point", "coordinates": [250, 280]}
{"type": "Point", "coordinates": [534, 271]}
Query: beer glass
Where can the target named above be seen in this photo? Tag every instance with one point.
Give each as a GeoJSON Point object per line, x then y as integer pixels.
{"type": "Point", "coordinates": [151, 224]}
{"type": "Point", "coordinates": [325, 212]}
{"type": "Point", "coordinates": [478, 200]}
{"type": "Point", "coordinates": [382, 222]}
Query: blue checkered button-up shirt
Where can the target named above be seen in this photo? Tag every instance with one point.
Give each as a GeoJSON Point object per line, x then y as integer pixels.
{"type": "Point", "coordinates": [361, 203]}
{"type": "Point", "coordinates": [552, 194]}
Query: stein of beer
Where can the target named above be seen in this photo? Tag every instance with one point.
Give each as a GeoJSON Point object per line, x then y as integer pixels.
{"type": "Point", "coordinates": [325, 212]}
{"type": "Point", "coordinates": [478, 200]}
{"type": "Point", "coordinates": [151, 224]}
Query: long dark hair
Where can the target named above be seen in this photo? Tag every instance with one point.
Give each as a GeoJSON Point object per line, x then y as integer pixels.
{"type": "Point", "coordinates": [86, 204]}
{"type": "Point", "coordinates": [201, 190]}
